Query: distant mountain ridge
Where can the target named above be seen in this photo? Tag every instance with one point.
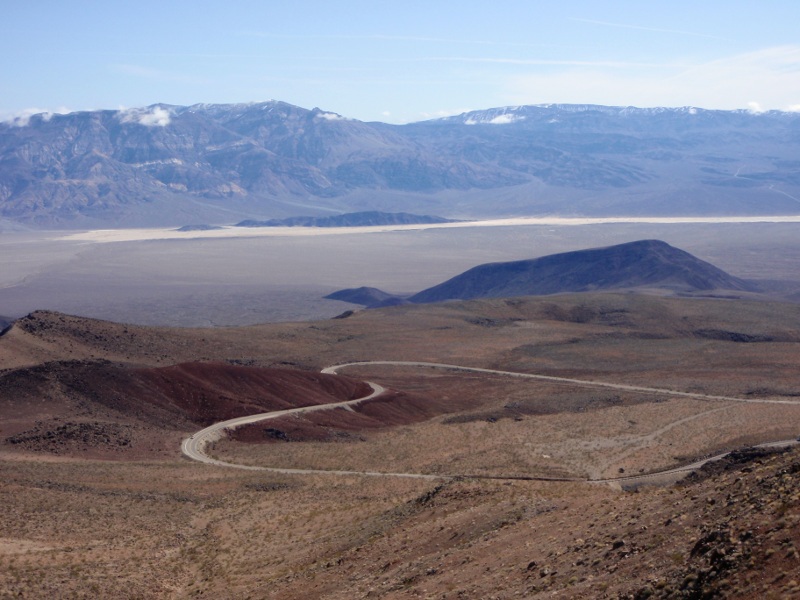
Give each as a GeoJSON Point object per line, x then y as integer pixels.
{"type": "Point", "coordinates": [164, 165]}
{"type": "Point", "coordinates": [644, 264]}
{"type": "Point", "coordinates": [356, 219]}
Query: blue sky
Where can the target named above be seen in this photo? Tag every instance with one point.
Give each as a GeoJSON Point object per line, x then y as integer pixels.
{"type": "Point", "coordinates": [398, 61]}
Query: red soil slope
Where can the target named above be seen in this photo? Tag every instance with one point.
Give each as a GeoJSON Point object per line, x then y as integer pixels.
{"type": "Point", "coordinates": [94, 408]}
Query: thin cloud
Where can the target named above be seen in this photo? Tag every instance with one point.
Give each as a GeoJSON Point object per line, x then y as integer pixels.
{"type": "Point", "coordinates": [157, 74]}
{"type": "Point", "coordinates": [550, 62]}
{"type": "Point", "coordinates": [766, 80]}
{"type": "Point", "coordinates": [650, 29]}
{"type": "Point", "coordinates": [138, 71]}
{"type": "Point", "coordinates": [398, 38]}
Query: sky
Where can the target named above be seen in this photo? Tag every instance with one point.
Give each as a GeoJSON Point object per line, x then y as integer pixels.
{"type": "Point", "coordinates": [398, 62]}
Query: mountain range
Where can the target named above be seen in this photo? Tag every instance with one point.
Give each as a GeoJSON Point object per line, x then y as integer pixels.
{"type": "Point", "coordinates": [643, 265]}
{"type": "Point", "coordinates": [169, 165]}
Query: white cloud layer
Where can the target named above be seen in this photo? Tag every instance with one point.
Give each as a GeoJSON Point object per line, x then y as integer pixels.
{"type": "Point", "coordinates": [152, 117]}
{"type": "Point", "coordinates": [505, 119]}
{"type": "Point", "coordinates": [330, 116]}
{"type": "Point", "coordinates": [23, 117]}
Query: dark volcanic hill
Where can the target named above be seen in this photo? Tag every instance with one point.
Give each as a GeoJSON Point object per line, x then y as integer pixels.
{"type": "Point", "coordinates": [169, 165]}
{"type": "Point", "coordinates": [366, 296]}
{"type": "Point", "coordinates": [356, 219]}
{"type": "Point", "coordinates": [642, 264]}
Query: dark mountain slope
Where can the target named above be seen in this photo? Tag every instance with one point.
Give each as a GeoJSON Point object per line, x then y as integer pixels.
{"type": "Point", "coordinates": [647, 263]}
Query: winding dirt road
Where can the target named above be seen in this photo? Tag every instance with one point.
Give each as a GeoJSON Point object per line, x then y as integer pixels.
{"type": "Point", "coordinates": [194, 447]}
{"type": "Point", "coordinates": [581, 382]}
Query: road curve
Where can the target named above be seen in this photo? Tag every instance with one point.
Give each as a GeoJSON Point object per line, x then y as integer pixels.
{"type": "Point", "coordinates": [194, 447]}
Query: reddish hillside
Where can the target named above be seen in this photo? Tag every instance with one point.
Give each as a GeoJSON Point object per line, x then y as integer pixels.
{"type": "Point", "coordinates": [211, 392]}
{"type": "Point", "coordinates": [97, 407]}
